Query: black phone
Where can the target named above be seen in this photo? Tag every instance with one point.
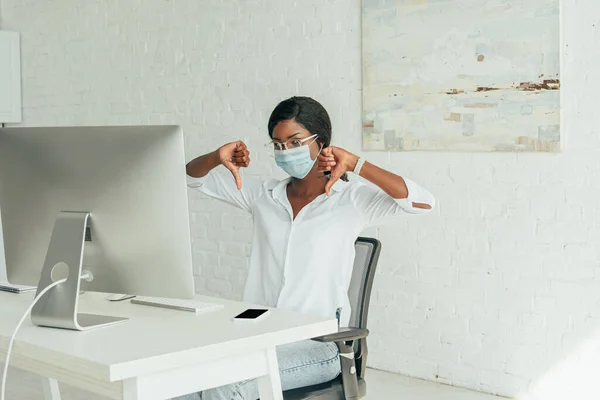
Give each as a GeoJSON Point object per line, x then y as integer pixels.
{"type": "Point", "coordinates": [251, 314]}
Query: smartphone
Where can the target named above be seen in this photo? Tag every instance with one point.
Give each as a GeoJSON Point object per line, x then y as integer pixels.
{"type": "Point", "coordinates": [252, 315]}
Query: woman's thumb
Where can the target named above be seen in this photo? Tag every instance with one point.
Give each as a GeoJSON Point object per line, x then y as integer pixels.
{"type": "Point", "coordinates": [238, 178]}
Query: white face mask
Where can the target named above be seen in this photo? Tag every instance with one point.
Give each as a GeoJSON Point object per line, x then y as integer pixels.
{"type": "Point", "coordinates": [296, 162]}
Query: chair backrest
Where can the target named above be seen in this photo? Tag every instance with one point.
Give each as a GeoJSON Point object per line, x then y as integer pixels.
{"type": "Point", "coordinates": [365, 263]}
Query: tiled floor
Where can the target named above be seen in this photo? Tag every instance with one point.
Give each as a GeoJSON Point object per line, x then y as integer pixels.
{"type": "Point", "coordinates": [382, 386]}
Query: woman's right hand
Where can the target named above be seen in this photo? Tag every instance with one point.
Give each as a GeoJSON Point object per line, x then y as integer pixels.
{"type": "Point", "coordinates": [234, 156]}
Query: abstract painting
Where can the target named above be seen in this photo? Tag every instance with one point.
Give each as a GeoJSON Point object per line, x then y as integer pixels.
{"type": "Point", "coordinates": [461, 75]}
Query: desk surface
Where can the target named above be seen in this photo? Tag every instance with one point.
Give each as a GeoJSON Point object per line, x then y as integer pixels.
{"type": "Point", "coordinates": [153, 340]}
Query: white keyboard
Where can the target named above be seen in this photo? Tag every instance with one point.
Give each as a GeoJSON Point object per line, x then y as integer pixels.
{"type": "Point", "coordinates": [177, 304]}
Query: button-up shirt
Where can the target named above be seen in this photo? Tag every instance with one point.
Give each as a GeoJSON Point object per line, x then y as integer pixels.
{"type": "Point", "coordinates": [305, 263]}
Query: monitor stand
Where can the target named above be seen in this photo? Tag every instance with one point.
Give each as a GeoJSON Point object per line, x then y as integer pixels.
{"type": "Point", "coordinates": [58, 307]}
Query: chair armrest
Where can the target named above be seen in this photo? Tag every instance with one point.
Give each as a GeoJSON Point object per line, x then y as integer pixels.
{"type": "Point", "coordinates": [347, 360]}
{"type": "Point", "coordinates": [345, 339]}
{"type": "Point", "coordinates": [344, 335]}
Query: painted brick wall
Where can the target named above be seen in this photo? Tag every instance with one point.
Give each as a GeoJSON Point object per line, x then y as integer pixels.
{"type": "Point", "coordinates": [497, 290]}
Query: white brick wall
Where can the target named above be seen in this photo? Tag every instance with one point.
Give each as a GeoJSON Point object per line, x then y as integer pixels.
{"type": "Point", "coordinates": [492, 291]}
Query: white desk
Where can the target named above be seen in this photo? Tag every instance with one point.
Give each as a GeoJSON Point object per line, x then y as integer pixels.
{"type": "Point", "coordinates": [158, 353]}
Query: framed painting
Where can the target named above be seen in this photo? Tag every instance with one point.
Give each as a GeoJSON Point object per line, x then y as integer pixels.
{"type": "Point", "coordinates": [461, 75]}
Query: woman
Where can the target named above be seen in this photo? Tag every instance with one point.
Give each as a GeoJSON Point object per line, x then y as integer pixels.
{"type": "Point", "coordinates": [304, 228]}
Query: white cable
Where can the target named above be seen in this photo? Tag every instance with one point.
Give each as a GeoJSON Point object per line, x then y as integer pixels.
{"type": "Point", "coordinates": [12, 339]}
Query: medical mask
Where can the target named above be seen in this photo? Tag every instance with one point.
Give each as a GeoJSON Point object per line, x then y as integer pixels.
{"type": "Point", "coordinates": [295, 162]}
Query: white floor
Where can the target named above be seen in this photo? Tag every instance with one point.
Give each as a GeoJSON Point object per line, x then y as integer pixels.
{"type": "Point", "coordinates": [382, 386]}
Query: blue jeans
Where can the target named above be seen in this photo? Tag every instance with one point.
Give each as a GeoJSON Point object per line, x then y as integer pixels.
{"type": "Point", "coordinates": [301, 364]}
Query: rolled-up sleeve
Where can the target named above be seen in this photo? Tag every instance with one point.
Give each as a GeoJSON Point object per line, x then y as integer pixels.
{"type": "Point", "coordinates": [377, 207]}
{"type": "Point", "coordinates": [220, 185]}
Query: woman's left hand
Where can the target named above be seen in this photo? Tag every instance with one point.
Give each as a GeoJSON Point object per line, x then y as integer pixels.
{"type": "Point", "coordinates": [338, 161]}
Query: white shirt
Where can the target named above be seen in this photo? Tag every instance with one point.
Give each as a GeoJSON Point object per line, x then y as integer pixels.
{"type": "Point", "coordinates": [306, 264]}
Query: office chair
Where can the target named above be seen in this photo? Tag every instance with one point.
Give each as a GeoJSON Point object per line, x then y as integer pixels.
{"type": "Point", "coordinates": [351, 342]}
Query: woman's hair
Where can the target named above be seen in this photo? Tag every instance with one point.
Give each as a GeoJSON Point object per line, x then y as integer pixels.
{"type": "Point", "coordinates": [308, 113]}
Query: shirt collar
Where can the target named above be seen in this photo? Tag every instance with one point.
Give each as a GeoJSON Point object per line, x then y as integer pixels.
{"type": "Point", "coordinates": [279, 191]}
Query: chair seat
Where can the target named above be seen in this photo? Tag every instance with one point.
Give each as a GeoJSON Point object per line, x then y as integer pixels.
{"type": "Point", "coordinates": [332, 390]}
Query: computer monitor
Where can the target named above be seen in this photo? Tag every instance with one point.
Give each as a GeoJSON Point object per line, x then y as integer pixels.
{"type": "Point", "coordinates": [108, 203]}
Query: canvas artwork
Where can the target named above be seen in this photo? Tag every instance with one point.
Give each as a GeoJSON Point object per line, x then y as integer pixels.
{"type": "Point", "coordinates": [461, 75]}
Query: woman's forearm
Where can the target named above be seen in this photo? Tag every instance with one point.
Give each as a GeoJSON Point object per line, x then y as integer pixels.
{"type": "Point", "coordinates": [387, 181]}
{"type": "Point", "coordinates": [201, 166]}
{"type": "Point", "coordinates": [394, 185]}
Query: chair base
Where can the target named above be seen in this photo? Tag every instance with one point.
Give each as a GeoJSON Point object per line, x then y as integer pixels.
{"type": "Point", "coordinates": [332, 390]}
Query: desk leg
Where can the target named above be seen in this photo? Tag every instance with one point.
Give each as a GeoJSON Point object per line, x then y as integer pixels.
{"type": "Point", "coordinates": [50, 389]}
{"type": "Point", "coordinates": [269, 386]}
{"type": "Point", "coordinates": [131, 389]}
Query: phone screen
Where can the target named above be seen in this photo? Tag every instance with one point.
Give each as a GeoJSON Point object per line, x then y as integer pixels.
{"type": "Point", "coordinates": [251, 313]}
